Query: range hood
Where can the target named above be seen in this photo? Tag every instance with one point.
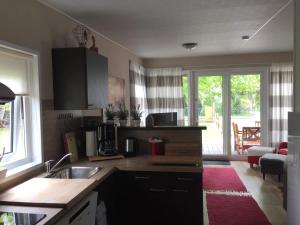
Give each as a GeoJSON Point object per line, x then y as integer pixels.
{"type": "Point", "coordinates": [6, 95]}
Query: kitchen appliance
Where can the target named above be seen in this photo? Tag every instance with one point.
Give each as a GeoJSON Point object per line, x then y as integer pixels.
{"type": "Point", "coordinates": [130, 146]}
{"type": "Point", "coordinates": [91, 121]}
{"type": "Point", "coordinates": [107, 139]}
{"type": "Point", "coordinates": [83, 213]}
{"type": "Point", "coordinates": [293, 167]}
{"type": "Point", "coordinates": [161, 119]}
{"type": "Point", "coordinates": [157, 146]}
{"type": "Point", "coordinates": [18, 218]}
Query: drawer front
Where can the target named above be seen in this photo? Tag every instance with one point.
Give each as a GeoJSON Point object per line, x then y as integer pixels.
{"type": "Point", "coordinates": [184, 182]}
{"type": "Point", "coordinates": [153, 178]}
{"type": "Point", "coordinates": [166, 182]}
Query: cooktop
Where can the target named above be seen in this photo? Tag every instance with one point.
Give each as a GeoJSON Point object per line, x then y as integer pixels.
{"type": "Point", "coordinates": [16, 218]}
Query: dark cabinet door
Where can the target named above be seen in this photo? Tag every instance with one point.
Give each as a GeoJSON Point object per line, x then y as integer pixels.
{"type": "Point", "coordinates": [80, 79]}
{"type": "Point", "coordinates": [157, 198]}
{"type": "Point", "coordinates": [97, 80]}
{"type": "Point", "coordinates": [69, 80]}
{"type": "Point", "coordinates": [107, 193]}
{"type": "Point", "coordinates": [186, 201]}
{"type": "Point", "coordinates": [158, 207]}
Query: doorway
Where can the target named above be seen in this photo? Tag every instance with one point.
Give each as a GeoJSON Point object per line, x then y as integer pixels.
{"type": "Point", "coordinates": [209, 112]}
{"type": "Point", "coordinates": [221, 98]}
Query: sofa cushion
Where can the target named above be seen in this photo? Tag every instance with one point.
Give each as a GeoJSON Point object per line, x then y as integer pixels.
{"type": "Point", "coordinates": [259, 150]}
{"type": "Point", "coordinates": [273, 157]}
{"type": "Point", "coordinates": [283, 151]}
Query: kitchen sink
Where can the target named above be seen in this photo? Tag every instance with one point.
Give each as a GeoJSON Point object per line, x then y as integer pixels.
{"type": "Point", "coordinates": [74, 172]}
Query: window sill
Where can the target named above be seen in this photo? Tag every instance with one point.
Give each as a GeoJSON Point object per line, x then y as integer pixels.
{"type": "Point", "coordinates": [20, 174]}
{"type": "Point", "coordinates": [22, 168]}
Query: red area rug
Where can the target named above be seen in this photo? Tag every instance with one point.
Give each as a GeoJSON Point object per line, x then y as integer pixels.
{"type": "Point", "coordinates": [222, 179]}
{"type": "Point", "coordinates": [234, 210]}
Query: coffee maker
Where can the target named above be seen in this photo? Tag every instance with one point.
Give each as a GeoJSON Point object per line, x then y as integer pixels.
{"type": "Point", "coordinates": [107, 139]}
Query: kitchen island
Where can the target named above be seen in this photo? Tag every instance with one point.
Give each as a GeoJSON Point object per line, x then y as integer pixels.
{"type": "Point", "coordinates": [179, 140]}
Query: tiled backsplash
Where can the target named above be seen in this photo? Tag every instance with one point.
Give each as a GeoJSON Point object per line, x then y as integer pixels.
{"type": "Point", "coordinates": [54, 125]}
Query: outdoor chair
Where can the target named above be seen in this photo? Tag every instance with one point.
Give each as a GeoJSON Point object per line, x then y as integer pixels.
{"type": "Point", "coordinates": [250, 137]}
{"type": "Point", "coordinates": [237, 137]}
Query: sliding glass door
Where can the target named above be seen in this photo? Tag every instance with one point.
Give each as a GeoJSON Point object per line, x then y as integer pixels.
{"type": "Point", "coordinates": [245, 110]}
{"type": "Point", "coordinates": [209, 112]}
{"type": "Point", "coordinates": [226, 102]}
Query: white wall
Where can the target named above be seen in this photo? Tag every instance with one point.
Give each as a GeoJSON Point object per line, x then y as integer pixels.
{"type": "Point", "coordinates": [32, 25]}
{"type": "Point", "coordinates": [220, 61]}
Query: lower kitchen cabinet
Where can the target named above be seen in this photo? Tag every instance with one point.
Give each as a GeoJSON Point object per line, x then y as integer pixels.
{"type": "Point", "coordinates": [160, 198]}
{"type": "Point", "coordinates": [83, 213]}
{"type": "Point", "coordinates": [152, 198]}
{"type": "Point", "coordinates": [107, 192]}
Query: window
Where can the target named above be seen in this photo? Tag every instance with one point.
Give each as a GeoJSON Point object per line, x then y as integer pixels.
{"type": "Point", "coordinates": [20, 131]}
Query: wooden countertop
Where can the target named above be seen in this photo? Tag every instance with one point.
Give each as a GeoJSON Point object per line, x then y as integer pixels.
{"type": "Point", "coordinates": [144, 163]}
{"type": "Point", "coordinates": [42, 192]}
{"type": "Point", "coordinates": [139, 163]}
{"type": "Point", "coordinates": [166, 128]}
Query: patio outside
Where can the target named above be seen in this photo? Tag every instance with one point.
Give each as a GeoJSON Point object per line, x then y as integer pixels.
{"type": "Point", "coordinates": [245, 108]}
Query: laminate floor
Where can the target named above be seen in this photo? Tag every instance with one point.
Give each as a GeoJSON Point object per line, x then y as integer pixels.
{"type": "Point", "coordinates": [267, 193]}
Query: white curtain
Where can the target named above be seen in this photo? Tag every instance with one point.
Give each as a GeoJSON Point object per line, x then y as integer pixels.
{"type": "Point", "coordinates": [15, 68]}
{"type": "Point", "coordinates": [281, 100]}
{"type": "Point", "coordinates": [164, 91]}
{"type": "Point", "coordinates": [138, 88]}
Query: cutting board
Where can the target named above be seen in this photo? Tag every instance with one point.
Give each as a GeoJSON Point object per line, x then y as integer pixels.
{"type": "Point", "coordinates": [45, 192]}
{"type": "Point", "coordinates": [71, 146]}
{"type": "Point", "coordinates": [103, 158]}
{"type": "Point", "coordinates": [176, 160]}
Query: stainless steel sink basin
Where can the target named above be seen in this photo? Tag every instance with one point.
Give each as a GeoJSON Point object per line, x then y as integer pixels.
{"type": "Point", "coordinates": [74, 172]}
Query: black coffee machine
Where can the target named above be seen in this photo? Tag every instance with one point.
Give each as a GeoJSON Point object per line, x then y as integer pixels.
{"type": "Point", "coordinates": [107, 139]}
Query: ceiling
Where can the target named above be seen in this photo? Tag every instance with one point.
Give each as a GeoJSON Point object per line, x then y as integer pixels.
{"type": "Point", "coordinates": [157, 28]}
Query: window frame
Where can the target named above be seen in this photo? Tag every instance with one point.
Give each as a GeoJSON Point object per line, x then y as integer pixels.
{"type": "Point", "coordinates": [32, 115]}
{"type": "Point", "coordinates": [11, 122]}
{"type": "Point", "coordinates": [25, 107]}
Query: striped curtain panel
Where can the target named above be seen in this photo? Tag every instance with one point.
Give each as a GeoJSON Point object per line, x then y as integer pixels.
{"type": "Point", "coordinates": [281, 101]}
{"type": "Point", "coordinates": [164, 91]}
{"type": "Point", "coordinates": [138, 88]}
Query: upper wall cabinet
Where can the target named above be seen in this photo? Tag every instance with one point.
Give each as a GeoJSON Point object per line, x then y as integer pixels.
{"type": "Point", "coordinates": [80, 79]}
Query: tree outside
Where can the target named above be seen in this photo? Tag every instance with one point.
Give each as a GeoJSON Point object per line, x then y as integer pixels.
{"type": "Point", "coordinates": [245, 94]}
{"type": "Point", "coordinates": [245, 103]}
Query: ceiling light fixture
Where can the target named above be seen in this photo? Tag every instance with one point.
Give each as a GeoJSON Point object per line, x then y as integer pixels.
{"type": "Point", "coordinates": [246, 37]}
{"type": "Point", "coordinates": [190, 45]}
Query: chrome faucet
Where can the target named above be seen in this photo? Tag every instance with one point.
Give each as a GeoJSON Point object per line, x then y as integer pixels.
{"type": "Point", "coordinates": [48, 163]}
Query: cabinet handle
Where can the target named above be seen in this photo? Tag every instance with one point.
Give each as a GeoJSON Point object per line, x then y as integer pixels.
{"type": "Point", "coordinates": [157, 190]}
{"type": "Point", "coordinates": [141, 178]}
{"type": "Point", "coordinates": [180, 190]}
{"type": "Point", "coordinates": [184, 179]}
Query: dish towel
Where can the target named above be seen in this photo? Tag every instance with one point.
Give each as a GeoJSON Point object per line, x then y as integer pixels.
{"type": "Point", "coordinates": [101, 214]}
